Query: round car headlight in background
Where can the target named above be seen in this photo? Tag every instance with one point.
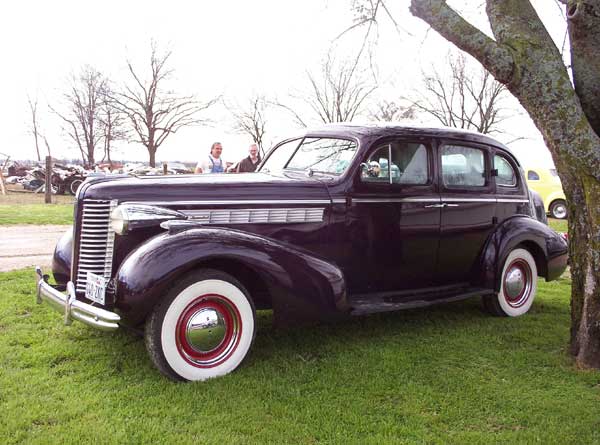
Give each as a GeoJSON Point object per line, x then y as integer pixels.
{"type": "Point", "coordinates": [119, 220]}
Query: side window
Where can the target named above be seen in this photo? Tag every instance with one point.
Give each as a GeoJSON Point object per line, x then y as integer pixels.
{"type": "Point", "coordinates": [409, 163]}
{"type": "Point", "coordinates": [506, 175]}
{"type": "Point", "coordinates": [377, 166]}
{"type": "Point", "coordinates": [533, 176]}
{"type": "Point", "coordinates": [463, 166]}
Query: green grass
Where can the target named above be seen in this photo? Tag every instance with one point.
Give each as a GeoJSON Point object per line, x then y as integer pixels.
{"type": "Point", "coordinates": [36, 214]}
{"type": "Point", "coordinates": [560, 225]}
{"type": "Point", "coordinates": [448, 374]}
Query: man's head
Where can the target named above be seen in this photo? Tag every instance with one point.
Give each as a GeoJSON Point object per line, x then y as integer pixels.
{"type": "Point", "coordinates": [216, 149]}
{"type": "Point", "coordinates": [253, 150]}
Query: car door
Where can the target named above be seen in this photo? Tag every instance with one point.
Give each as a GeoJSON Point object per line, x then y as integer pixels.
{"type": "Point", "coordinates": [393, 217]}
{"type": "Point", "coordinates": [468, 213]}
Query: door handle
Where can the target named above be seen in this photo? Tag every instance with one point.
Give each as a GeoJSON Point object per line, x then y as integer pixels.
{"type": "Point", "coordinates": [441, 205]}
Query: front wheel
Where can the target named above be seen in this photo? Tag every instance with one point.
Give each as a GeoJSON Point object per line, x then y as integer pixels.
{"type": "Point", "coordinates": [518, 286]}
{"type": "Point", "coordinates": [558, 209]}
{"type": "Point", "coordinates": [203, 328]}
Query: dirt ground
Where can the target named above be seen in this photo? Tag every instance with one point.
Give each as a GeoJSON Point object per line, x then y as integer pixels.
{"type": "Point", "coordinates": [28, 245]}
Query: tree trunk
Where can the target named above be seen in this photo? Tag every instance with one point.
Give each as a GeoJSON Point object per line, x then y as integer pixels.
{"type": "Point", "coordinates": [152, 153]}
{"type": "Point", "coordinates": [525, 59]}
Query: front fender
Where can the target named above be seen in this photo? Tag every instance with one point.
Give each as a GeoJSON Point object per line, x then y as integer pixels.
{"type": "Point", "coordinates": [549, 249]}
{"type": "Point", "coordinates": [61, 260]}
{"type": "Point", "coordinates": [301, 285]}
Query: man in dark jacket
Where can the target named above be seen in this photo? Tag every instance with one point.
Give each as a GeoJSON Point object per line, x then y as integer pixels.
{"type": "Point", "coordinates": [249, 164]}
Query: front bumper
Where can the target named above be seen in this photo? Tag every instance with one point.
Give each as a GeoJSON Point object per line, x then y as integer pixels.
{"type": "Point", "coordinates": [72, 308]}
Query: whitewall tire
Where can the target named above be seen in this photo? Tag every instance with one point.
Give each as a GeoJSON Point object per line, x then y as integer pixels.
{"type": "Point", "coordinates": [203, 328]}
{"type": "Point", "coordinates": [518, 286]}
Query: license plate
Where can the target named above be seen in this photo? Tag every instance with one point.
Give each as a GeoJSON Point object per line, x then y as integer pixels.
{"type": "Point", "coordinates": [95, 288]}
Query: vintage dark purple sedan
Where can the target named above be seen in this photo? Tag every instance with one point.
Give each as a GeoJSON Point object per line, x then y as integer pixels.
{"type": "Point", "coordinates": [344, 220]}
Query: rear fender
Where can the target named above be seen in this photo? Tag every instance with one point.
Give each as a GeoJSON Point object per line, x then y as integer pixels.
{"type": "Point", "coordinates": [547, 247]}
{"type": "Point", "coordinates": [301, 286]}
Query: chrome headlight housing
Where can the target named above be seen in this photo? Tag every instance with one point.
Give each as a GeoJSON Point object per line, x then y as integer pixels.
{"type": "Point", "coordinates": [127, 217]}
{"type": "Point", "coordinates": [118, 220]}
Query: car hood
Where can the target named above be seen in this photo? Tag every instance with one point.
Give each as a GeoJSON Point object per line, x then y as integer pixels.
{"type": "Point", "coordinates": [208, 187]}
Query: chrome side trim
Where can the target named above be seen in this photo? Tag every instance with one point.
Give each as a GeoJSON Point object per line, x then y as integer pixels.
{"type": "Point", "coordinates": [72, 308]}
{"type": "Point", "coordinates": [233, 202]}
{"type": "Point", "coordinates": [256, 216]}
{"type": "Point", "coordinates": [384, 200]}
{"type": "Point", "coordinates": [512, 200]}
{"type": "Point", "coordinates": [450, 199]}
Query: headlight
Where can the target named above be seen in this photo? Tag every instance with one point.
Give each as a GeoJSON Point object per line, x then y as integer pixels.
{"type": "Point", "coordinates": [128, 217]}
{"type": "Point", "coordinates": [119, 221]}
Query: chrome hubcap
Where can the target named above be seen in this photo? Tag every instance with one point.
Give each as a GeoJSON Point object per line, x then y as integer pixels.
{"type": "Point", "coordinates": [205, 330]}
{"type": "Point", "coordinates": [208, 331]}
{"type": "Point", "coordinates": [517, 283]}
{"type": "Point", "coordinates": [514, 282]}
{"type": "Point", "coordinates": [560, 211]}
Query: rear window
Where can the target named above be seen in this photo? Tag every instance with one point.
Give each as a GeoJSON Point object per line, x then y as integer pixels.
{"type": "Point", "coordinates": [533, 176]}
{"type": "Point", "coordinates": [506, 174]}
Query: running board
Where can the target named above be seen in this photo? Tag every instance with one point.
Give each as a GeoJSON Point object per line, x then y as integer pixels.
{"type": "Point", "coordinates": [386, 302]}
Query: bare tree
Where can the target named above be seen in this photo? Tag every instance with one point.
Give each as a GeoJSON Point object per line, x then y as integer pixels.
{"type": "Point", "coordinates": [154, 112]}
{"type": "Point", "coordinates": [337, 93]}
{"type": "Point", "coordinates": [81, 118]}
{"type": "Point", "coordinates": [464, 98]}
{"type": "Point", "coordinates": [34, 128]}
{"type": "Point", "coordinates": [113, 125]}
{"type": "Point", "coordinates": [251, 119]}
{"type": "Point", "coordinates": [391, 111]}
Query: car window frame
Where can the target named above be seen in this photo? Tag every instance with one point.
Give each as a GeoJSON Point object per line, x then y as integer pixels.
{"type": "Point", "coordinates": [512, 165]}
{"type": "Point", "coordinates": [487, 151]}
{"type": "Point", "coordinates": [429, 145]}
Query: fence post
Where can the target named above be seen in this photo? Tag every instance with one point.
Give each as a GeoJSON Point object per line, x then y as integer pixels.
{"type": "Point", "coordinates": [165, 168]}
{"type": "Point", "coordinates": [48, 195]}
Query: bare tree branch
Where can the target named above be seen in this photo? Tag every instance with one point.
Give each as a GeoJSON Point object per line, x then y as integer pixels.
{"type": "Point", "coordinates": [464, 98]}
{"type": "Point", "coordinates": [251, 119]}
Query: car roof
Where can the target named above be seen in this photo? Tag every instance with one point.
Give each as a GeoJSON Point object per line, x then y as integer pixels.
{"type": "Point", "coordinates": [383, 129]}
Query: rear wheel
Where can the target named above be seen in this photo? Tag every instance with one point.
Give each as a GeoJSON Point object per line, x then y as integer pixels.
{"type": "Point", "coordinates": [518, 286]}
{"type": "Point", "coordinates": [558, 209]}
{"type": "Point", "coordinates": [203, 328]}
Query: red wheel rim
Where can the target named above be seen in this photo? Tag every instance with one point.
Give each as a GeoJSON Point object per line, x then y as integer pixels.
{"type": "Point", "coordinates": [517, 283]}
{"type": "Point", "coordinates": [208, 343]}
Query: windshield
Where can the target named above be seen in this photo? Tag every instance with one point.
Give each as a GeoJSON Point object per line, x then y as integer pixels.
{"type": "Point", "coordinates": [323, 155]}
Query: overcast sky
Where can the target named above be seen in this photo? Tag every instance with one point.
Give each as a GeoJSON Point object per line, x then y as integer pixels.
{"type": "Point", "coordinates": [229, 48]}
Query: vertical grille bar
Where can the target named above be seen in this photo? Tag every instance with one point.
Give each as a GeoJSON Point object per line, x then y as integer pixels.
{"type": "Point", "coordinates": [96, 241]}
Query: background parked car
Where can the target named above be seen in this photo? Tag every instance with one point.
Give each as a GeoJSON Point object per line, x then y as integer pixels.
{"type": "Point", "coordinates": [546, 182]}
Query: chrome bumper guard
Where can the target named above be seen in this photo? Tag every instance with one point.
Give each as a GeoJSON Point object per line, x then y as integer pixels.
{"type": "Point", "coordinates": [72, 308]}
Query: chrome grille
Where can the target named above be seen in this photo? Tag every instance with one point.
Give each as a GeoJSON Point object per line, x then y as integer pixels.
{"type": "Point", "coordinates": [96, 241]}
